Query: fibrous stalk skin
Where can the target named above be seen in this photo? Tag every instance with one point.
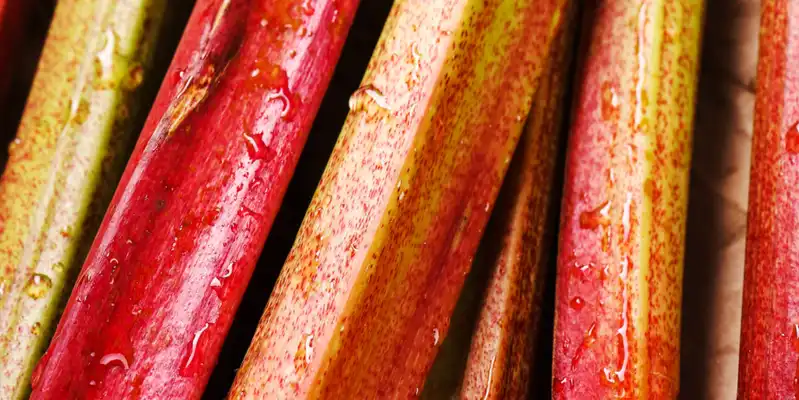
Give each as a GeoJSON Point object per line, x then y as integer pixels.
{"type": "Point", "coordinates": [769, 357]}
{"type": "Point", "coordinates": [364, 299]}
{"type": "Point", "coordinates": [176, 249]}
{"type": "Point", "coordinates": [504, 339]}
{"type": "Point", "coordinates": [619, 282]}
{"type": "Point", "coordinates": [87, 101]}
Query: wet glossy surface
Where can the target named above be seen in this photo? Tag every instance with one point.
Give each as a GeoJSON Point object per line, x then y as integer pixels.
{"type": "Point", "coordinates": [87, 102]}
{"type": "Point", "coordinates": [364, 298]}
{"type": "Point", "coordinates": [174, 254]}
{"type": "Point", "coordinates": [625, 198]}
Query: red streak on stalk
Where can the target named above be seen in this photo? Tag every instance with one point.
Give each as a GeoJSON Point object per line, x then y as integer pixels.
{"type": "Point", "coordinates": [769, 363]}
{"type": "Point", "coordinates": [178, 245]}
{"type": "Point", "coordinates": [13, 16]}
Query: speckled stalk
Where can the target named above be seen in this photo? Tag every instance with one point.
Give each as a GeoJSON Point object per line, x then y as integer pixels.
{"type": "Point", "coordinates": [173, 256]}
{"type": "Point", "coordinates": [83, 110]}
{"type": "Point", "coordinates": [365, 296]}
{"type": "Point", "coordinates": [503, 342]}
{"type": "Point", "coordinates": [769, 363]}
{"type": "Point", "coordinates": [619, 283]}
{"type": "Point", "coordinates": [13, 18]}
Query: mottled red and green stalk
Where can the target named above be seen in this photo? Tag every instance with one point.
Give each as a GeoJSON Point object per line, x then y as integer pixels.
{"type": "Point", "coordinates": [82, 113]}
{"type": "Point", "coordinates": [619, 284]}
{"type": "Point", "coordinates": [365, 297]}
{"type": "Point", "coordinates": [13, 17]}
{"type": "Point", "coordinates": [503, 342]}
{"type": "Point", "coordinates": [769, 363]}
{"type": "Point", "coordinates": [176, 249]}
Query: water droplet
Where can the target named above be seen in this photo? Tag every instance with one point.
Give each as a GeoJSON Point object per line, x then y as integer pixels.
{"type": "Point", "coordinates": [134, 78]}
{"type": "Point", "coordinates": [588, 341]}
{"type": "Point", "coordinates": [38, 285]}
{"type": "Point", "coordinates": [621, 333]}
{"type": "Point", "coordinates": [490, 376]}
{"type": "Point", "coordinates": [436, 337]}
{"type": "Point", "coordinates": [590, 335]}
{"type": "Point", "coordinates": [599, 216]}
{"type": "Point", "coordinates": [92, 383]}
{"type": "Point", "coordinates": [115, 359]}
{"type": "Point", "coordinates": [625, 218]}
{"type": "Point", "coordinates": [609, 102]}
{"type": "Point", "coordinates": [281, 95]}
{"type": "Point", "coordinates": [608, 378]}
{"type": "Point", "coordinates": [796, 386]}
{"type": "Point", "coordinates": [792, 139]}
{"type": "Point", "coordinates": [14, 145]}
{"type": "Point", "coordinates": [188, 366]}
{"type": "Point", "coordinates": [577, 303]}
{"type": "Point", "coordinates": [256, 148]}
{"type": "Point", "coordinates": [216, 283]}
{"type": "Point", "coordinates": [304, 354]}
{"type": "Point", "coordinates": [104, 62]}
{"type": "Point", "coordinates": [416, 61]}
{"type": "Point", "coordinates": [263, 23]}
{"type": "Point", "coordinates": [211, 216]}
{"type": "Point", "coordinates": [36, 329]}
{"type": "Point", "coordinates": [79, 112]}
{"type": "Point", "coordinates": [178, 74]}
{"type": "Point", "coordinates": [227, 272]}
{"type": "Point", "coordinates": [560, 385]}
{"type": "Point", "coordinates": [358, 101]}
{"type": "Point", "coordinates": [247, 211]}
{"type": "Point", "coordinates": [307, 8]}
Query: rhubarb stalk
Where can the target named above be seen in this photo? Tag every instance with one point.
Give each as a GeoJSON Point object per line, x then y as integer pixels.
{"type": "Point", "coordinates": [364, 299]}
{"type": "Point", "coordinates": [176, 249]}
{"type": "Point", "coordinates": [84, 107]}
{"type": "Point", "coordinates": [619, 282]}
{"type": "Point", "coordinates": [504, 339]}
{"type": "Point", "coordinates": [769, 363]}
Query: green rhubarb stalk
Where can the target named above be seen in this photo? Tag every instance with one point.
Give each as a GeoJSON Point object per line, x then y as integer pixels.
{"type": "Point", "coordinates": [86, 103]}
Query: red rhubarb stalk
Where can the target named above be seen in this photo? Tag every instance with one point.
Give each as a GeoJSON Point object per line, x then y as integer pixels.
{"type": "Point", "coordinates": [619, 283]}
{"type": "Point", "coordinates": [176, 249]}
{"type": "Point", "coordinates": [89, 98]}
{"type": "Point", "coordinates": [769, 363]}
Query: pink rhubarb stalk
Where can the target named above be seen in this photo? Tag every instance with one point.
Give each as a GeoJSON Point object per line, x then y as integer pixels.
{"type": "Point", "coordinates": [620, 259]}
{"type": "Point", "coordinates": [365, 297]}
